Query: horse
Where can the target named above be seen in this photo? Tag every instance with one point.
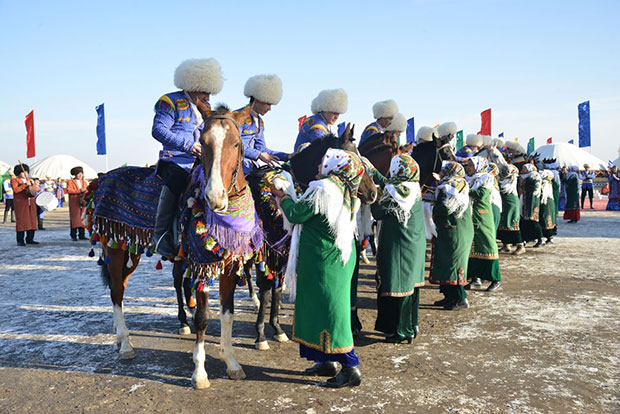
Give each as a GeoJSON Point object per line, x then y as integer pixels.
{"type": "Point", "coordinates": [269, 279]}
{"type": "Point", "coordinates": [121, 216]}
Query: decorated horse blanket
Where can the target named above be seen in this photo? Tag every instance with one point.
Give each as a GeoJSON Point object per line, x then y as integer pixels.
{"type": "Point", "coordinates": [124, 207]}
{"type": "Point", "coordinates": [211, 241]}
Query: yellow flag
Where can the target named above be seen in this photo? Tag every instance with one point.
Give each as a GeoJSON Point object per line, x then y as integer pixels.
{"type": "Point", "coordinates": [436, 126]}
{"type": "Point", "coordinates": [516, 139]}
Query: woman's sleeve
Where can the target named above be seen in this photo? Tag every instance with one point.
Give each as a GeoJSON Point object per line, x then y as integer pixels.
{"type": "Point", "coordinates": [378, 178]}
{"type": "Point", "coordinates": [296, 212]}
{"type": "Point", "coordinates": [377, 210]}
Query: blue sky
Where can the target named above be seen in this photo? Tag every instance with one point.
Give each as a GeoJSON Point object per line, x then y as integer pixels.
{"type": "Point", "coordinates": [531, 62]}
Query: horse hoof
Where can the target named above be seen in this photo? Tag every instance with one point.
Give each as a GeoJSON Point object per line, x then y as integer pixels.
{"type": "Point", "coordinates": [236, 375]}
{"type": "Point", "coordinates": [131, 354]}
{"type": "Point", "coordinates": [185, 330]}
{"type": "Point", "coordinates": [200, 383]}
{"type": "Point", "coordinates": [281, 337]}
{"type": "Point", "coordinates": [262, 346]}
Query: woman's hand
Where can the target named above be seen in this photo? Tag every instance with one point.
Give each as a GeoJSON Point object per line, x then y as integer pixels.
{"type": "Point", "coordinates": [277, 193]}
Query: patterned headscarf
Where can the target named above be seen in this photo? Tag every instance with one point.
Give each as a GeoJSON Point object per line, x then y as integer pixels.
{"type": "Point", "coordinates": [531, 173]}
{"type": "Point", "coordinates": [509, 184]}
{"type": "Point", "coordinates": [345, 169]}
{"type": "Point", "coordinates": [402, 190]}
{"type": "Point", "coordinates": [480, 177]}
{"type": "Point", "coordinates": [494, 170]}
{"type": "Point", "coordinates": [455, 188]}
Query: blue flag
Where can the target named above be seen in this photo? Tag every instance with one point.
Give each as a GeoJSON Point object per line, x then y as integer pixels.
{"type": "Point", "coordinates": [572, 141]}
{"type": "Point", "coordinates": [584, 124]}
{"type": "Point", "coordinates": [501, 135]}
{"type": "Point", "coordinates": [341, 127]}
{"type": "Point", "coordinates": [101, 150]}
{"type": "Point", "coordinates": [411, 130]}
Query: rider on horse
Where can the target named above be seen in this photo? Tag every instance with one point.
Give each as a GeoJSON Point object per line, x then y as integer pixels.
{"type": "Point", "coordinates": [177, 125]}
{"type": "Point", "coordinates": [473, 145]}
{"type": "Point", "coordinates": [383, 112]}
{"type": "Point", "coordinates": [398, 125]}
{"type": "Point", "coordinates": [263, 91]}
{"type": "Point", "coordinates": [326, 107]}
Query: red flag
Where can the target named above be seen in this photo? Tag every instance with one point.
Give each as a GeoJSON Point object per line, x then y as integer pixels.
{"type": "Point", "coordinates": [485, 129]}
{"type": "Point", "coordinates": [30, 152]}
{"type": "Point", "coordinates": [301, 121]}
{"type": "Point", "coordinates": [549, 140]}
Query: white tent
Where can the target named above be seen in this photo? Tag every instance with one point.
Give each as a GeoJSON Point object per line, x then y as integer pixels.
{"type": "Point", "coordinates": [569, 154]}
{"type": "Point", "coordinates": [617, 162]}
{"type": "Point", "coordinates": [4, 167]}
{"type": "Point", "coordinates": [59, 166]}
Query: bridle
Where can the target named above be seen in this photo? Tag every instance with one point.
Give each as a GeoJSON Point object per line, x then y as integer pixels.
{"type": "Point", "coordinates": [233, 183]}
{"type": "Point", "coordinates": [425, 187]}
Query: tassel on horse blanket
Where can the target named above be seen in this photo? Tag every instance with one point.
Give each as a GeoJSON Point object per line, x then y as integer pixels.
{"type": "Point", "coordinates": [159, 266]}
{"type": "Point", "coordinates": [100, 261]}
{"type": "Point", "coordinates": [91, 253]}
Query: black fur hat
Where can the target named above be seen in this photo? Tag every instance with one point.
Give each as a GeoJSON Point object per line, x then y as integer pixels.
{"type": "Point", "coordinates": [76, 170]}
{"type": "Point", "coordinates": [18, 169]}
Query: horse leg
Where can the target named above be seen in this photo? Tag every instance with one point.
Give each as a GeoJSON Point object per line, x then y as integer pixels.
{"type": "Point", "coordinates": [119, 276]}
{"type": "Point", "coordinates": [263, 296]}
{"type": "Point", "coordinates": [247, 270]}
{"type": "Point", "coordinates": [189, 299]}
{"type": "Point", "coordinates": [177, 274]}
{"type": "Point", "coordinates": [227, 292]}
{"type": "Point", "coordinates": [200, 379]}
{"type": "Point", "coordinates": [274, 315]}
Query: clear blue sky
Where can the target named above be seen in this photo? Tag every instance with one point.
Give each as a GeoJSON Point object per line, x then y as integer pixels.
{"type": "Point", "coordinates": [532, 62]}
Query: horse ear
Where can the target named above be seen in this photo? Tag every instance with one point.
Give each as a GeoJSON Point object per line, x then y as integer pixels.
{"type": "Point", "coordinates": [352, 131]}
{"type": "Point", "coordinates": [242, 115]}
{"type": "Point", "coordinates": [346, 135]}
{"type": "Point", "coordinates": [388, 137]}
{"type": "Point", "coordinates": [204, 110]}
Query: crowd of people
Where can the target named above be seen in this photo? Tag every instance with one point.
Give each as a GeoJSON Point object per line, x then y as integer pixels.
{"type": "Point", "coordinates": [474, 205]}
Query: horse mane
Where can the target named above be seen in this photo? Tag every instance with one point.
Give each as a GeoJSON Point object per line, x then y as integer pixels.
{"type": "Point", "coordinates": [221, 109]}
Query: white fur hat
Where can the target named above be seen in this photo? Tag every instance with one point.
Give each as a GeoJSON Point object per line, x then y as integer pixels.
{"type": "Point", "coordinates": [497, 142]}
{"type": "Point", "coordinates": [330, 100]}
{"type": "Point", "coordinates": [399, 123]}
{"type": "Point", "coordinates": [265, 88]}
{"type": "Point", "coordinates": [486, 140]}
{"type": "Point", "coordinates": [473, 139]}
{"type": "Point", "coordinates": [385, 109]}
{"type": "Point", "coordinates": [199, 75]}
{"type": "Point", "coordinates": [446, 129]}
{"type": "Point", "coordinates": [425, 134]}
{"type": "Point", "coordinates": [514, 146]}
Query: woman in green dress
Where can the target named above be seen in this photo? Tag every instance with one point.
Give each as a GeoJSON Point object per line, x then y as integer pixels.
{"type": "Point", "coordinates": [484, 257]}
{"type": "Point", "coordinates": [509, 231]}
{"type": "Point", "coordinates": [547, 218]}
{"type": "Point", "coordinates": [401, 251]}
{"type": "Point", "coordinates": [322, 257]}
{"type": "Point", "coordinates": [496, 197]}
{"type": "Point", "coordinates": [455, 233]}
{"type": "Point", "coordinates": [530, 207]}
{"type": "Point", "coordinates": [571, 183]}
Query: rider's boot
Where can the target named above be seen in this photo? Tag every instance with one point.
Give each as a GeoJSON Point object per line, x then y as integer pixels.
{"type": "Point", "coordinates": [163, 240]}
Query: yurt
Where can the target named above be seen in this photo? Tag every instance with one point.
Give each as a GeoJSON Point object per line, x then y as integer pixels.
{"type": "Point", "coordinates": [569, 154]}
{"type": "Point", "coordinates": [59, 166]}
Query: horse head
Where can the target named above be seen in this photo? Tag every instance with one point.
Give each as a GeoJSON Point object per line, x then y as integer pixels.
{"type": "Point", "coordinates": [221, 154]}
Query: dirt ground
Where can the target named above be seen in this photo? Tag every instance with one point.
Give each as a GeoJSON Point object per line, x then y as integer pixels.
{"type": "Point", "coordinates": [546, 342]}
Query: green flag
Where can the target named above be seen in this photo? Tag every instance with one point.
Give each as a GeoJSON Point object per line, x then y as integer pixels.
{"type": "Point", "coordinates": [530, 146]}
{"type": "Point", "coordinates": [459, 140]}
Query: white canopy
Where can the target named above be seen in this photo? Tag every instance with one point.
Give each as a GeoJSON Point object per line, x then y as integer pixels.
{"type": "Point", "coordinates": [617, 162]}
{"type": "Point", "coordinates": [569, 154]}
{"type": "Point", "coordinates": [59, 166]}
{"type": "Point", "coordinates": [4, 167]}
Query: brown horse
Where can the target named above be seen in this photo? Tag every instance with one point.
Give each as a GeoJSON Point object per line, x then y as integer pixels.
{"type": "Point", "coordinates": [222, 153]}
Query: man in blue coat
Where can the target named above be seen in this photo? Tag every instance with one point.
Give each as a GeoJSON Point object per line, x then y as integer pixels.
{"type": "Point", "coordinates": [326, 107]}
{"type": "Point", "coordinates": [263, 91]}
{"type": "Point", "coordinates": [384, 113]}
{"type": "Point", "coordinates": [177, 125]}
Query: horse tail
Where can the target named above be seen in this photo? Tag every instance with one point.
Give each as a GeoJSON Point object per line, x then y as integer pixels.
{"type": "Point", "coordinates": [105, 274]}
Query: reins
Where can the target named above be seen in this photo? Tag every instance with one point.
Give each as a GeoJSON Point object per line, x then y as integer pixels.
{"type": "Point", "coordinates": [233, 183]}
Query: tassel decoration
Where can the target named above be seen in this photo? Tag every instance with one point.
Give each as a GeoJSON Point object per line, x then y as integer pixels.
{"type": "Point", "coordinates": [91, 253]}
{"type": "Point", "coordinates": [159, 266]}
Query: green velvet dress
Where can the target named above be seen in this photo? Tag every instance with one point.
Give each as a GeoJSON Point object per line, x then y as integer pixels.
{"type": "Point", "coordinates": [509, 231]}
{"type": "Point", "coordinates": [452, 245]}
{"type": "Point", "coordinates": [530, 229]}
{"type": "Point", "coordinates": [571, 210]}
{"type": "Point", "coordinates": [322, 308]}
{"type": "Point", "coordinates": [400, 267]}
{"type": "Point", "coordinates": [484, 257]}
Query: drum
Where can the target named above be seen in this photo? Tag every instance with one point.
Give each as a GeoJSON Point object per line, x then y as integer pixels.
{"type": "Point", "coordinates": [47, 201]}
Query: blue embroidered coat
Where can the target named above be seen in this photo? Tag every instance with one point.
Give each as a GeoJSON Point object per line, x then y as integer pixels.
{"type": "Point", "coordinates": [465, 152]}
{"type": "Point", "coordinates": [252, 133]}
{"type": "Point", "coordinates": [369, 131]}
{"type": "Point", "coordinates": [175, 127]}
{"type": "Point", "coordinates": [314, 127]}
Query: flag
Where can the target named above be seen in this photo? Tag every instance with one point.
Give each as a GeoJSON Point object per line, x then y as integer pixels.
{"type": "Point", "coordinates": [30, 147]}
{"type": "Point", "coordinates": [411, 130]}
{"type": "Point", "coordinates": [516, 139]}
{"type": "Point", "coordinates": [610, 164]}
{"type": "Point", "coordinates": [341, 127]}
{"type": "Point", "coordinates": [459, 140]}
{"type": "Point", "coordinates": [572, 141]}
{"type": "Point", "coordinates": [485, 128]}
{"type": "Point", "coordinates": [301, 120]}
{"type": "Point", "coordinates": [101, 150]}
{"type": "Point", "coordinates": [501, 135]}
{"type": "Point", "coordinates": [549, 140]}
{"type": "Point", "coordinates": [584, 124]}
{"type": "Point", "coordinates": [530, 146]}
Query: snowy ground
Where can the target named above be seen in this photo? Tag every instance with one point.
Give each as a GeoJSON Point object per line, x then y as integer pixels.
{"type": "Point", "coordinates": [546, 342]}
